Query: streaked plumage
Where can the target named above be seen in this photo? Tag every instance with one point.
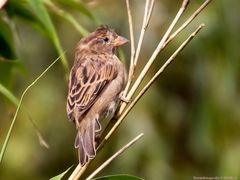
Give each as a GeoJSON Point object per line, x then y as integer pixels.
{"type": "Point", "coordinates": [95, 82]}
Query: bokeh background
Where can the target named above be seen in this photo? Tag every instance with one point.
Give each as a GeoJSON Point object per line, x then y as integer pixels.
{"type": "Point", "coordinates": [190, 116]}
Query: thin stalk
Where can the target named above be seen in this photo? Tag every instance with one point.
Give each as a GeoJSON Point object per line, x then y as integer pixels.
{"type": "Point", "coordinates": [131, 67]}
{"type": "Point", "coordinates": [154, 55]}
{"type": "Point", "coordinates": [142, 33]}
{"type": "Point", "coordinates": [119, 152]}
{"type": "Point", "coordinates": [4, 147]}
{"type": "Point", "coordinates": [78, 171]}
{"type": "Point", "coordinates": [123, 115]}
{"type": "Point", "coordinates": [150, 12]}
{"type": "Point", "coordinates": [187, 22]}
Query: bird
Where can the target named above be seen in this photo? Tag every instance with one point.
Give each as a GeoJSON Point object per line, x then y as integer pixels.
{"type": "Point", "coordinates": [95, 87]}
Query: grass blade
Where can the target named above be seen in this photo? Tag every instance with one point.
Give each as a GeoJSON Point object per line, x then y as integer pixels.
{"type": "Point", "coordinates": [68, 17]}
{"type": "Point", "coordinates": [60, 176]}
{"type": "Point", "coordinates": [8, 94]}
{"type": "Point", "coordinates": [42, 14]}
{"type": "Point", "coordinates": [4, 147]}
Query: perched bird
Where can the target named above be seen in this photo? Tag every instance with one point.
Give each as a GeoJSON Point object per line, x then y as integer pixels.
{"type": "Point", "coordinates": [96, 81]}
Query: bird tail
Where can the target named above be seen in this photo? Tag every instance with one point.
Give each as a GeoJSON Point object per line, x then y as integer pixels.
{"type": "Point", "coordinates": [85, 140]}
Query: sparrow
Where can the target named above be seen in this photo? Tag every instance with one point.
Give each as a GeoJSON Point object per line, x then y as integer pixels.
{"type": "Point", "coordinates": [96, 81]}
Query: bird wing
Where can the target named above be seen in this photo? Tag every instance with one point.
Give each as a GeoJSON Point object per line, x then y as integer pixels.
{"type": "Point", "coordinates": [87, 80]}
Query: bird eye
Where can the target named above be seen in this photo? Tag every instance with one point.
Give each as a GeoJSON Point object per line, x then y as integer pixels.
{"type": "Point", "coordinates": [106, 39]}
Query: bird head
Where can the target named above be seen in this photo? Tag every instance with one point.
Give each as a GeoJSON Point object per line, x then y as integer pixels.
{"type": "Point", "coordinates": [103, 40]}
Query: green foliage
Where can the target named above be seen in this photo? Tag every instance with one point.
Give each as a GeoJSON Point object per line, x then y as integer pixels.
{"type": "Point", "coordinates": [43, 16]}
{"type": "Point", "coordinates": [6, 41]}
{"type": "Point", "coordinates": [68, 17]}
{"type": "Point", "coordinates": [7, 69]}
{"type": "Point", "coordinates": [36, 15]}
{"type": "Point", "coordinates": [20, 8]}
{"type": "Point", "coordinates": [8, 94]}
{"type": "Point", "coordinates": [80, 7]}
{"type": "Point", "coordinates": [60, 176]}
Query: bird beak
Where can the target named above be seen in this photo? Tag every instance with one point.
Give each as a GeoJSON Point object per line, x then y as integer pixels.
{"type": "Point", "coordinates": [120, 41]}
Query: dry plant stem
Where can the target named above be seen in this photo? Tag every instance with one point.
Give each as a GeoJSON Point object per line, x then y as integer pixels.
{"type": "Point", "coordinates": [131, 33]}
{"type": "Point", "coordinates": [154, 55]}
{"type": "Point", "coordinates": [121, 115]}
{"type": "Point", "coordinates": [182, 27]}
{"type": "Point", "coordinates": [146, 87]}
{"type": "Point", "coordinates": [131, 67]}
{"type": "Point", "coordinates": [134, 57]}
{"type": "Point", "coordinates": [78, 171]}
{"type": "Point", "coordinates": [150, 12]}
{"type": "Point", "coordinates": [143, 29]}
{"type": "Point", "coordinates": [187, 22]}
{"type": "Point", "coordinates": [119, 152]}
{"type": "Point", "coordinates": [149, 84]}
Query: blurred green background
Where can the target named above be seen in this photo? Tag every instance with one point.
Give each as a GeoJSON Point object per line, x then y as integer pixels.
{"type": "Point", "coordinates": [190, 116]}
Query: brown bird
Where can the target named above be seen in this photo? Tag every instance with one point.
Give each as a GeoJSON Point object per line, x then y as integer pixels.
{"type": "Point", "coordinates": [96, 81]}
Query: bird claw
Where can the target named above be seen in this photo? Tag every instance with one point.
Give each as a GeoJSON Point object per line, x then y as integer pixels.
{"type": "Point", "coordinates": [123, 98]}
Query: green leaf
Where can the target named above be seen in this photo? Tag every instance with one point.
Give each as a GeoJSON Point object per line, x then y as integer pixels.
{"type": "Point", "coordinates": [6, 41]}
{"type": "Point", "coordinates": [119, 177]}
{"type": "Point", "coordinates": [8, 94]}
{"type": "Point", "coordinates": [60, 176]}
{"type": "Point", "coordinates": [13, 99]}
{"type": "Point", "coordinates": [77, 5]}
{"type": "Point", "coordinates": [67, 17]}
{"type": "Point", "coordinates": [42, 14]}
{"type": "Point", "coordinates": [20, 9]}
{"type": "Point", "coordinates": [7, 68]}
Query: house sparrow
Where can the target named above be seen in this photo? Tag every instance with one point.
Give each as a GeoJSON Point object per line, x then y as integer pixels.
{"type": "Point", "coordinates": [95, 83]}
